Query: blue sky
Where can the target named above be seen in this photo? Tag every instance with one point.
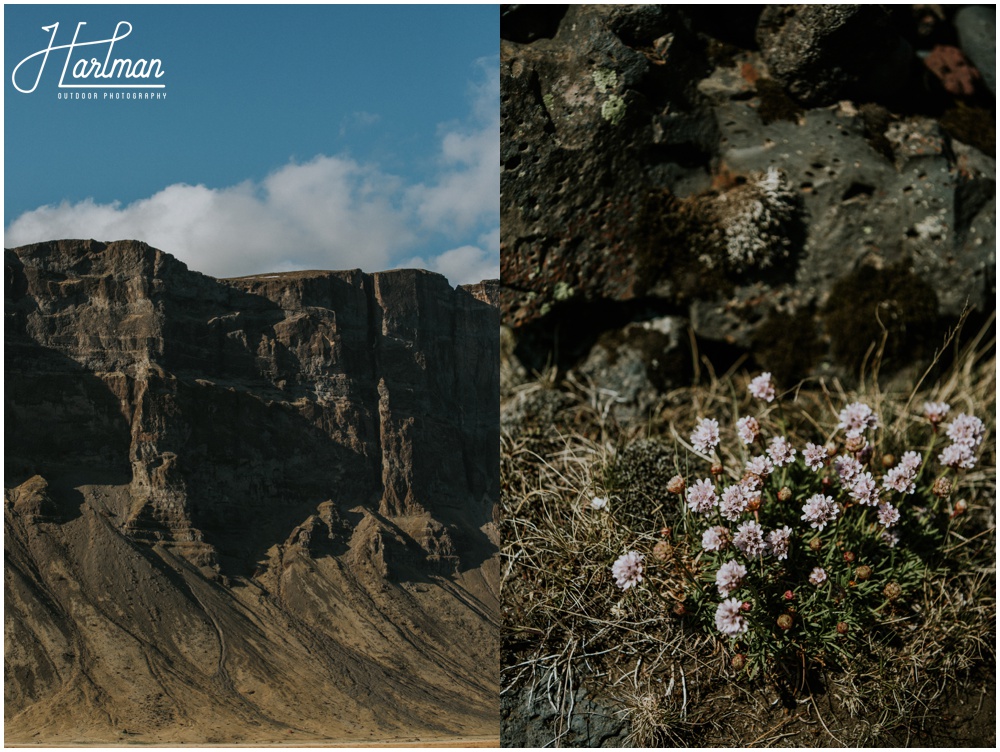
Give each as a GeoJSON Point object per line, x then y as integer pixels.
{"type": "Point", "coordinates": [290, 137]}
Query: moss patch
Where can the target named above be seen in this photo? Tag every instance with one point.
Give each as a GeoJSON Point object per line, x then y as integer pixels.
{"type": "Point", "coordinates": [905, 304]}
{"type": "Point", "coordinates": [975, 126]}
{"type": "Point", "coordinates": [775, 104]}
{"type": "Point", "coordinates": [638, 480]}
{"type": "Point", "coordinates": [788, 345]}
{"type": "Point", "coordinates": [674, 240]}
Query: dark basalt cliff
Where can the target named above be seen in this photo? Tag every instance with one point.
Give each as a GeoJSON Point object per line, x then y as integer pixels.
{"type": "Point", "coordinates": [274, 493]}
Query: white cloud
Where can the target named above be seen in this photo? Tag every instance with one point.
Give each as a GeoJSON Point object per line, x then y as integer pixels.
{"type": "Point", "coordinates": [463, 265]}
{"type": "Point", "coordinates": [467, 191]}
{"type": "Point", "coordinates": [331, 212]}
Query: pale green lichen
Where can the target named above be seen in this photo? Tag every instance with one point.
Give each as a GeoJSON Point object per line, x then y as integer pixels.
{"type": "Point", "coordinates": [548, 100]}
{"type": "Point", "coordinates": [605, 79]}
{"type": "Point", "coordinates": [546, 309]}
{"type": "Point", "coordinates": [563, 291]}
{"type": "Point", "coordinates": [613, 110]}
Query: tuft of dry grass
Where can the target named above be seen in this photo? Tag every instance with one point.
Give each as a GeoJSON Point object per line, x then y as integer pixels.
{"type": "Point", "coordinates": [567, 622]}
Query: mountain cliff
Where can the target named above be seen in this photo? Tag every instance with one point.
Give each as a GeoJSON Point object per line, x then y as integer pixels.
{"type": "Point", "coordinates": [248, 509]}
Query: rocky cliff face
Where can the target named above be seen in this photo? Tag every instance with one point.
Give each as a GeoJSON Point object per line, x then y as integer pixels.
{"type": "Point", "coordinates": [259, 486]}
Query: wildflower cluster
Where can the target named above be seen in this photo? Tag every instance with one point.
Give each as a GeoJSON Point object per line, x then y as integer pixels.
{"type": "Point", "coordinates": [796, 546]}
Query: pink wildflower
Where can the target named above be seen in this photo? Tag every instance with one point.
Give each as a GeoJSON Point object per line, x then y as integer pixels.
{"type": "Point", "coordinates": [706, 435]}
{"type": "Point", "coordinates": [730, 577]}
{"type": "Point", "coordinates": [958, 455]}
{"type": "Point", "coordinates": [888, 515]}
{"type": "Point", "coordinates": [749, 539]}
{"type": "Point", "coordinates": [729, 618]}
{"type": "Point", "coordinates": [762, 388]}
{"type": "Point", "coordinates": [889, 538]}
{"type": "Point", "coordinates": [715, 538]}
{"type": "Point", "coordinates": [734, 502]}
{"type": "Point", "coordinates": [819, 510]}
{"type": "Point", "coordinates": [935, 411]}
{"type": "Point", "coordinates": [856, 418]}
{"type": "Point", "coordinates": [748, 428]}
{"type": "Point", "coordinates": [966, 430]}
{"type": "Point", "coordinates": [847, 468]}
{"type": "Point", "coordinates": [900, 478]}
{"type": "Point", "coordinates": [817, 576]}
{"type": "Point", "coordinates": [627, 570]}
{"type": "Point", "coordinates": [777, 542]}
{"type": "Point", "coordinates": [780, 451]}
{"type": "Point", "coordinates": [912, 461]}
{"type": "Point", "coordinates": [701, 497]}
{"type": "Point", "coordinates": [864, 490]}
{"type": "Point", "coordinates": [815, 456]}
{"type": "Point", "coordinates": [760, 466]}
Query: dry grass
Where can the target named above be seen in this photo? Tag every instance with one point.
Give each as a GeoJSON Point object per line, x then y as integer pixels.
{"type": "Point", "coordinates": [566, 622]}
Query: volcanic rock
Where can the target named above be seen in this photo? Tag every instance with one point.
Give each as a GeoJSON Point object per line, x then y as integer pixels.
{"type": "Point", "coordinates": [768, 203]}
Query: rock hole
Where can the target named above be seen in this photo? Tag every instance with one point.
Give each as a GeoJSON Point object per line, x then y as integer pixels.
{"type": "Point", "coordinates": [858, 189]}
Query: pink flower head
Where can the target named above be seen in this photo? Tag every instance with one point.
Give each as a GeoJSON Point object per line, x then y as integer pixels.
{"type": "Point", "coordinates": [701, 497]}
{"type": "Point", "coordinates": [748, 429]}
{"type": "Point", "coordinates": [888, 515]}
{"type": "Point", "coordinates": [889, 538]}
{"type": "Point", "coordinates": [900, 478]}
{"type": "Point", "coordinates": [729, 618]}
{"type": "Point", "coordinates": [734, 501]}
{"type": "Point", "coordinates": [864, 490]}
{"type": "Point", "coordinates": [730, 577]}
{"type": "Point", "coordinates": [762, 388]}
{"type": "Point", "coordinates": [966, 430]}
{"type": "Point", "coordinates": [627, 570]}
{"type": "Point", "coordinates": [817, 576]}
{"type": "Point", "coordinates": [706, 435]}
{"type": "Point", "coordinates": [715, 538]}
{"type": "Point", "coordinates": [777, 542]}
{"type": "Point", "coordinates": [819, 510]}
{"type": "Point", "coordinates": [847, 468]}
{"type": "Point", "coordinates": [749, 539]}
{"type": "Point", "coordinates": [935, 411]}
{"type": "Point", "coordinates": [958, 455]}
{"type": "Point", "coordinates": [760, 466]}
{"type": "Point", "coordinates": [815, 456]}
{"type": "Point", "coordinates": [780, 451]}
{"type": "Point", "coordinates": [911, 461]}
{"type": "Point", "coordinates": [857, 418]}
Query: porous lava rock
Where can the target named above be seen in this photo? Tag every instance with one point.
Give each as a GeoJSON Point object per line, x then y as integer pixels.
{"type": "Point", "coordinates": [656, 164]}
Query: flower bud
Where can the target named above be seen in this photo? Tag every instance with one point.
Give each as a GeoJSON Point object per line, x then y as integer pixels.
{"type": "Point", "coordinates": [745, 606]}
{"type": "Point", "coordinates": [942, 487]}
{"type": "Point", "coordinates": [789, 595]}
{"type": "Point", "coordinates": [863, 573]}
{"type": "Point", "coordinates": [784, 494]}
{"type": "Point", "coordinates": [717, 469]}
{"type": "Point", "coordinates": [679, 609]}
{"type": "Point", "coordinates": [888, 460]}
{"type": "Point", "coordinates": [738, 661]}
{"type": "Point", "coordinates": [754, 504]}
{"type": "Point", "coordinates": [676, 485]}
{"type": "Point", "coordinates": [827, 481]}
{"type": "Point", "coordinates": [842, 627]}
{"type": "Point", "coordinates": [849, 556]}
{"type": "Point", "coordinates": [854, 443]}
{"type": "Point", "coordinates": [815, 544]}
{"type": "Point", "coordinates": [785, 621]}
{"type": "Point", "coordinates": [662, 551]}
{"type": "Point", "coordinates": [892, 591]}
{"type": "Point", "coordinates": [961, 507]}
